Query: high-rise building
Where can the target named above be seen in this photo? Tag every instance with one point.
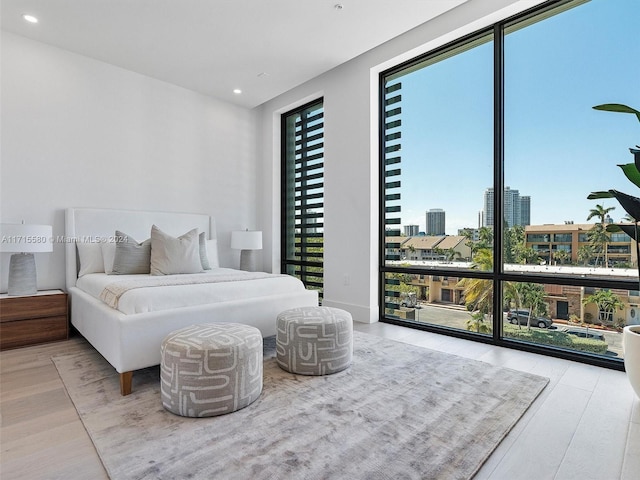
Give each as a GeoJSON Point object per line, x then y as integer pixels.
{"type": "Point", "coordinates": [435, 221]}
{"type": "Point", "coordinates": [516, 210]}
{"type": "Point", "coordinates": [525, 210]}
{"type": "Point", "coordinates": [511, 207]}
{"type": "Point", "coordinates": [411, 230]}
{"type": "Point", "coordinates": [487, 218]}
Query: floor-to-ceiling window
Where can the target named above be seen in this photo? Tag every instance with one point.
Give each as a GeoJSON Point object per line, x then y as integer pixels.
{"type": "Point", "coordinates": [489, 151]}
{"type": "Point", "coordinates": [303, 194]}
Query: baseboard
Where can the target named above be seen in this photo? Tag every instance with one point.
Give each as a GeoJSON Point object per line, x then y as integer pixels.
{"type": "Point", "coordinates": [359, 313]}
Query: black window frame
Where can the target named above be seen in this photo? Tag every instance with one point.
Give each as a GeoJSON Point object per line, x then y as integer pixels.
{"type": "Point", "coordinates": [498, 275]}
{"type": "Point", "coordinates": [309, 268]}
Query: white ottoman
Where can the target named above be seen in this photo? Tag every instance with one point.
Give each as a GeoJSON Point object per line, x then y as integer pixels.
{"type": "Point", "coordinates": [314, 340]}
{"type": "Point", "coordinates": [211, 369]}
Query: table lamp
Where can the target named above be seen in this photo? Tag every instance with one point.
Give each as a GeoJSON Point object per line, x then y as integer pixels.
{"type": "Point", "coordinates": [23, 241]}
{"type": "Point", "coordinates": [247, 242]}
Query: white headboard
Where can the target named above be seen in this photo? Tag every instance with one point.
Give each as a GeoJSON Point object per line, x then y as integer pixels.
{"type": "Point", "coordinates": [84, 224]}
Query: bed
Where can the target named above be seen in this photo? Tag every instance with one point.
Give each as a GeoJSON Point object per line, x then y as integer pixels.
{"type": "Point", "coordinates": [125, 317]}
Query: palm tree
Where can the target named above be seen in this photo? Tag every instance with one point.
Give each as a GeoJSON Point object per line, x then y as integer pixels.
{"type": "Point", "coordinates": [600, 236]}
{"type": "Point", "coordinates": [468, 235]}
{"type": "Point", "coordinates": [450, 254]}
{"type": "Point", "coordinates": [485, 234]}
{"type": "Point", "coordinates": [515, 246]}
{"type": "Point", "coordinates": [607, 303]}
{"type": "Point", "coordinates": [561, 256]}
{"type": "Point", "coordinates": [527, 256]}
{"type": "Point", "coordinates": [514, 242]}
{"type": "Point", "coordinates": [598, 239]}
{"type": "Point", "coordinates": [600, 212]}
{"type": "Point", "coordinates": [478, 293]}
{"type": "Point", "coordinates": [532, 296]}
{"type": "Point", "coordinates": [585, 253]}
{"type": "Point", "coordinates": [411, 248]}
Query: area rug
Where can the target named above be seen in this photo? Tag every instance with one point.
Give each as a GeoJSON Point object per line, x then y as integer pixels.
{"type": "Point", "coordinates": [399, 412]}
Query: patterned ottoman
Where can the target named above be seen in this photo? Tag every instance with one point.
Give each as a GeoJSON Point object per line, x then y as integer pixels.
{"type": "Point", "coordinates": [211, 369]}
{"type": "Point", "coordinates": [314, 340]}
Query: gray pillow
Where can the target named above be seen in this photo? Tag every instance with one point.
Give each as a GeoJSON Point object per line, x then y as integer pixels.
{"type": "Point", "coordinates": [131, 257]}
{"type": "Point", "coordinates": [171, 255]}
{"type": "Point", "coordinates": [204, 258]}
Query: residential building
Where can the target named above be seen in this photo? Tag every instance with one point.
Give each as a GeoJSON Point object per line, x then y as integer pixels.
{"type": "Point", "coordinates": [393, 247]}
{"type": "Point", "coordinates": [421, 248]}
{"type": "Point", "coordinates": [429, 247]}
{"type": "Point", "coordinates": [620, 250]}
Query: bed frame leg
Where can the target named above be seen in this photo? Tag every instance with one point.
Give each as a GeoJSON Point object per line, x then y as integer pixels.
{"type": "Point", "coordinates": [125, 383]}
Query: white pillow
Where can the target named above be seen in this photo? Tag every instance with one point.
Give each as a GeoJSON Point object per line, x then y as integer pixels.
{"type": "Point", "coordinates": [170, 255]}
{"type": "Point", "coordinates": [108, 255]}
{"type": "Point", "coordinates": [212, 253]}
{"type": "Point", "coordinates": [90, 255]}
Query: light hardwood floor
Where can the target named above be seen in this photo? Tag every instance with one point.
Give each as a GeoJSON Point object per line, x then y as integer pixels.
{"type": "Point", "coordinates": [585, 424]}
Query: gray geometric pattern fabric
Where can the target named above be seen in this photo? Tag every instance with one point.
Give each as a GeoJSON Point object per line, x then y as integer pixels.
{"type": "Point", "coordinates": [314, 340]}
{"type": "Point", "coordinates": [211, 369]}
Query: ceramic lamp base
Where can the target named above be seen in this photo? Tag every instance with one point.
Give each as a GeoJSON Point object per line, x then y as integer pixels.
{"type": "Point", "coordinates": [22, 274]}
{"type": "Point", "coordinates": [248, 260]}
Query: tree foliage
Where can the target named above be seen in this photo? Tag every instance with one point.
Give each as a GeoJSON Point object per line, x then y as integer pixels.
{"type": "Point", "coordinates": [607, 303]}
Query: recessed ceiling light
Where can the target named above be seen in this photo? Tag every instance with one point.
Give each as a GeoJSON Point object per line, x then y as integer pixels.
{"type": "Point", "coordinates": [237, 91]}
{"type": "Point", "coordinates": [29, 18]}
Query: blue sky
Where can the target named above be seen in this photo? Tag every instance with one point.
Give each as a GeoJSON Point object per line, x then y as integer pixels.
{"type": "Point", "coordinates": [557, 148]}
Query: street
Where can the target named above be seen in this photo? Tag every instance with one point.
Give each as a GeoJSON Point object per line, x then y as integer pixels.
{"type": "Point", "coordinates": [455, 316]}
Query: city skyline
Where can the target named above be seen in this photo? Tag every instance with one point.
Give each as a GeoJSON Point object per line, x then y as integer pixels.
{"type": "Point", "coordinates": [516, 210]}
{"type": "Point", "coordinates": [557, 149]}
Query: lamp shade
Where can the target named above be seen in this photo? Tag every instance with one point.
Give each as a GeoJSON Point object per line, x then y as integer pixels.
{"type": "Point", "coordinates": [246, 240]}
{"type": "Point", "coordinates": [23, 238]}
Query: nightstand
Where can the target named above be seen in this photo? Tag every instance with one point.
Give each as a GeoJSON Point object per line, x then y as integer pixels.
{"type": "Point", "coordinates": [33, 319]}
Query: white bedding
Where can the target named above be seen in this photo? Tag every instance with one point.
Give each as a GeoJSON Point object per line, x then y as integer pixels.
{"type": "Point", "coordinates": [151, 299]}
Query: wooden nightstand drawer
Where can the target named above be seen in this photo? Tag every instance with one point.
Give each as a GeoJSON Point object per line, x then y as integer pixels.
{"type": "Point", "coordinates": [33, 319]}
{"type": "Point", "coordinates": [30, 332]}
{"type": "Point", "coordinates": [37, 306]}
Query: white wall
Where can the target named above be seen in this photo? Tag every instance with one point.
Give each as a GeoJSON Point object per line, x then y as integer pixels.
{"type": "Point", "coordinates": [351, 158]}
{"type": "Point", "coordinates": [79, 132]}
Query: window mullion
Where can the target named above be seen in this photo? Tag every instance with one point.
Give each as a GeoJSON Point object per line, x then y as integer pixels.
{"type": "Point", "coordinates": [498, 175]}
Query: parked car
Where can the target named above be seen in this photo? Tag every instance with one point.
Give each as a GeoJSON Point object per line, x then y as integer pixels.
{"type": "Point", "coordinates": [583, 333]}
{"type": "Point", "coordinates": [522, 316]}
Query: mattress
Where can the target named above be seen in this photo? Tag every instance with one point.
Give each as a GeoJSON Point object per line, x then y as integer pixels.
{"type": "Point", "coordinates": [151, 299]}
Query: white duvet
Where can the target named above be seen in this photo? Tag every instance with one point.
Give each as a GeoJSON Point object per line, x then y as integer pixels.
{"type": "Point", "coordinates": [166, 297]}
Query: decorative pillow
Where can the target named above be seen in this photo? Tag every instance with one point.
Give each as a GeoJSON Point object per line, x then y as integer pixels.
{"type": "Point", "coordinates": [108, 255]}
{"type": "Point", "coordinates": [131, 257]}
{"type": "Point", "coordinates": [204, 258]}
{"type": "Point", "coordinates": [212, 253]}
{"type": "Point", "coordinates": [170, 255]}
{"type": "Point", "coordinates": [90, 255]}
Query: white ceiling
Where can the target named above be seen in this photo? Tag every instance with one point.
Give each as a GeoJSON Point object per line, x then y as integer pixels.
{"type": "Point", "coordinates": [264, 47]}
